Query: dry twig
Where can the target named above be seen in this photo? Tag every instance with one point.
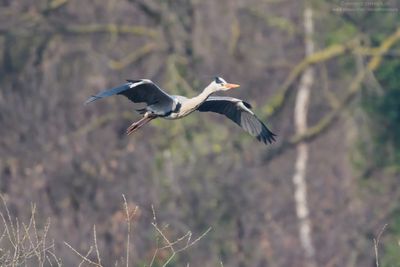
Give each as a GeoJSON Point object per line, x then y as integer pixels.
{"type": "Point", "coordinates": [23, 244]}
{"type": "Point", "coordinates": [129, 217]}
{"type": "Point", "coordinates": [376, 244]}
{"type": "Point", "coordinates": [171, 244]}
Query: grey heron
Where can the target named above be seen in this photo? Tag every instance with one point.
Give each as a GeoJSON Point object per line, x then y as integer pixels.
{"type": "Point", "coordinates": [159, 104]}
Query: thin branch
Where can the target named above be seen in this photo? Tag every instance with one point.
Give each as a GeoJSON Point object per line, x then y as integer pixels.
{"type": "Point", "coordinates": [376, 244]}
{"type": "Point", "coordinates": [175, 79]}
{"type": "Point", "coordinates": [195, 241]}
{"type": "Point", "coordinates": [235, 36]}
{"type": "Point", "coordinates": [328, 53]}
{"type": "Point", "coordinates": [154, 257]}
{"type": "Point", "coordinates": [187, 235]}
{"type": "Point", "coordinates": [10, 221]}
{"type": "Point", "coordinates": [132, 57]}
{"type": "Point", "coordinates": [154, 213]}
{"type": "Point", "coordinates": [58, 261]}
{"type": "Point", "coordinates": [84, 258]}
{"type": "Point", "coordinates": [54, 5]}
{"type": "Point", "coordinates": [99, 121]}
{"type": "Point", "coordinates": [129, 217]}
{"type": "Point", "coordinates": [44, 236]}
{"type": "Point", "coordinates": [110, 28]}
{"type": "Point", "coordinates": [23, 245]}
{"type": "Point", "coordinates": [155, 251]}
{"type": "Point", "coordinates": [332, 99]}
{"type": "Point", "coordinates": [277, 22]}
{"type": "Point", "coordinates": [151, 10]}
{"type": "Point", "coordinates": [87, 255]}
{"type": "Point", "coordinates": [95, 244]}
{"type": "Point", "coordinates": [33, 246]}
{"type": "Point", "coordinates": [171, 244]}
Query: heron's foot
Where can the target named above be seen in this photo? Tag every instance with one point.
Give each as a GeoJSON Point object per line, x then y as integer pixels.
{"type": "Point", "coordinates": [131, 129]}
{"type": "Point", "coordinates": [138, 124]}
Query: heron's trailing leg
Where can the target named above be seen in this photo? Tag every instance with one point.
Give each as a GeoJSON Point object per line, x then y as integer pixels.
{"type": "Point", "coordinates": [138, 124]}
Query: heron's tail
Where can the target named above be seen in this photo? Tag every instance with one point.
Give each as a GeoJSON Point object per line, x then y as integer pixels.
{"type": "Point", "coordinates": [141, 110]}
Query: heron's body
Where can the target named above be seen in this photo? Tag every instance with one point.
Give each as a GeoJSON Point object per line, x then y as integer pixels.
{"type": "Point", "coordinates": [189, 105]}
{"type": "Point", "coordinates": [171, 107]}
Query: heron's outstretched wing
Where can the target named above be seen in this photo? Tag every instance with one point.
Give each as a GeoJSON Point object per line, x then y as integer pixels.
{"type": "Point", "coordinates": [137, 91]}
{"type": "Point", "coordinates": [239, 112]}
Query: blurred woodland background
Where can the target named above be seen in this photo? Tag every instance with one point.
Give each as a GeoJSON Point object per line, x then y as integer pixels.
{"type": "Point", "coordinates": [316, 197]}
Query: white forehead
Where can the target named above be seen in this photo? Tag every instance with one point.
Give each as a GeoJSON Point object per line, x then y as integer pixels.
{"type": "Point", "coordinates": [220, 79]}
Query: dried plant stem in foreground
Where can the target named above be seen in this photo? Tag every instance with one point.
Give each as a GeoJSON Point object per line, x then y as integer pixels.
{"type": "Point", "coordinates": [376, 244]}
{"type": "Point", "coordinates": [175, 246]}
{"type": "Point", "coordinates": [172, 245]}
{"type": "Point", "coordinates": [24, 244]}
{"type": "Point", "coordinates": [129, 217]}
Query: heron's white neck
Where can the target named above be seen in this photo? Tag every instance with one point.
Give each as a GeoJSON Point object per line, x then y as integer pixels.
{"type": "Point", "coordinates": [203, 95]}
{"type": "Point", "coordinates": [193, 103]}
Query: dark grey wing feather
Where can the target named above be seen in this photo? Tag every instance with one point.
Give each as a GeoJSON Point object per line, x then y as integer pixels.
{"type": "Point", "coordinates": [239, 112]}
{"type": "Point", "coordinates": [137, 91]}
{"type": "Point", "coordinates": [109, 92]}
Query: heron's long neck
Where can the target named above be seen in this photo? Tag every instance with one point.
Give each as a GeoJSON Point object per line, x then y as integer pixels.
{"type": "Point", "coordinates": [193, 103]}
{"type": "Point", "coordinates": [197, 100]}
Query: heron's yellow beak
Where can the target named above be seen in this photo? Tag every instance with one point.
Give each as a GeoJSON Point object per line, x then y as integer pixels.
{"type": "Point", "coordinates": [231, 85]}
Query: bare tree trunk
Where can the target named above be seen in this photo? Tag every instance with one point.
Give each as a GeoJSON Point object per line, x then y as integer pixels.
{"type": "Point", "coordinates": [300, 118]}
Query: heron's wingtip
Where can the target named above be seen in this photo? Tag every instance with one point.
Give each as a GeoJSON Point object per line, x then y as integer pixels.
{"type": "Point", "coordinates": [267, 138]}
{"type": "Point", "coordinates": [91, 99]}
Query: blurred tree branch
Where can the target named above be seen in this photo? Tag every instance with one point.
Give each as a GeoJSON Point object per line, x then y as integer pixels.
{"type": "Point", "coordinates": [326, 122]}
{"type": "Point", "coordinates": [331, 97]}
{"type": "Point", "coordinates": [235, 35]}
{"type": "Point", "coordinates": [279, 99]}
{"type": "Point", "coordinates": [175, 79]}
{"type": "Point", "coordinates": [148, 8]}
{"type": "Point", "coordinates": [54, 4]}
{"type": "Point", "coordinates": [101, 120]}
{"type": "Point", "coordinates": [132, 57]}
{"type": "Point", "coordinates": [110, 28]}
{"type": "Point", "coordinates": [277, 22]}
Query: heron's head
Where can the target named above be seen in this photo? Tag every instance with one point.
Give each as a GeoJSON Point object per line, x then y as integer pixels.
{"type": "Point", "coordinates": [219, 84]}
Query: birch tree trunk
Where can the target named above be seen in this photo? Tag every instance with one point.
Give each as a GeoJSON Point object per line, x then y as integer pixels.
{"type": "Point", "coordinates": [300, 118]}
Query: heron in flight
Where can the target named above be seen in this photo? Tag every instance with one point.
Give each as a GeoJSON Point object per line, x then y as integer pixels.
{"type": "Point", "coordinates": [159, 104]}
